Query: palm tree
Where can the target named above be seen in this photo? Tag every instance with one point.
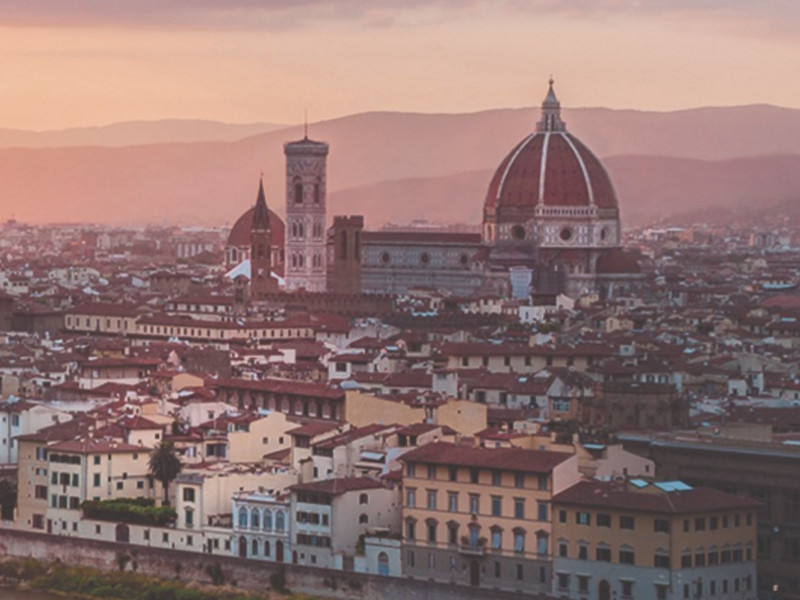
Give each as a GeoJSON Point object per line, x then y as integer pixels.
{"type": "Point", "coordinates": [164, 465]}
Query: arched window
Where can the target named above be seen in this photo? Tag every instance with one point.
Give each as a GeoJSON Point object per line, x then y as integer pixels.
{"type": "Point", "coordinates": [497, 537]}
{"type": "Point", "coordinates": [363, 518]}
{"type": "Point", "coordinates": [267, 549]}
{"type": "Point", "coordinates": [254, 548]}
{"type": "Point", "coordinates": [317, 193]}
{"type": "Point", "coordinates": [298, 192]}
{"type": "Point", "coordinates": [541, 542]}
{"type": "Point", "coordinates": [255, 519]}
{"type": "Point", "coordinates": [519, 539]}
{"type": "Point", "coordinates": [363, 499]}
{"type": "Point", "coordinates": [280, 521]}
{"type": "Point", "coordinates": [243, 517]}
{"type": "Point", "coordinates": [268, 520]}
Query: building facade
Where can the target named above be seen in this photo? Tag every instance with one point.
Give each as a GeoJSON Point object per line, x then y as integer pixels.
{"type": "Point", "coordinates": [481, 517]}
{"type": "Point", "coordinates": [662, 541]}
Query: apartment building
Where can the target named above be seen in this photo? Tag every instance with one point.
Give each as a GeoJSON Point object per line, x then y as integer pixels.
{"type": "Point", "coordinates": [653, 541]}
{"type": "Point", "coordinates": [482, 516]}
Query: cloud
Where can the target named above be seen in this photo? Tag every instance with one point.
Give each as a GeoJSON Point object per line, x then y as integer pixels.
{"type": "Point", "coordinates": [257, 14]}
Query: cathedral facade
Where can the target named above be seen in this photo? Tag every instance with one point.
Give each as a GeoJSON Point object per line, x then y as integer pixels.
{"type": "Point", "coordinates": [550, 220]}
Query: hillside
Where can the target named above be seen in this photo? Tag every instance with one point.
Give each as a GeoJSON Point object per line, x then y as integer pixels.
{"type": "Point", "coordinates": [397, 166]}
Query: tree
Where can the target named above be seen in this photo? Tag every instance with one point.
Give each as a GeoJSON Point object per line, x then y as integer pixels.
{"type": "Point", "coordinates": [164, 466]}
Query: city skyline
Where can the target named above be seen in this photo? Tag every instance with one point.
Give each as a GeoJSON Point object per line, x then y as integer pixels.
{"type": "Point", "coordinates": [249, 61]}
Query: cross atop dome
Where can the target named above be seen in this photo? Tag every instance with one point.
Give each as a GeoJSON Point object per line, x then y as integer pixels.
{"type": "Point", "coordinates": [551, 113]}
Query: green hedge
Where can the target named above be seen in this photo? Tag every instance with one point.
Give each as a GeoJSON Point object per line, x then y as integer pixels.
{"type": "Point", "coordinates": [137, 511]}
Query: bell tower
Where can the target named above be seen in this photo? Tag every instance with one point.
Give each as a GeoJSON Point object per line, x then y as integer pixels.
{"type": "Point", "coordinates": [261, 280]}
{"type": "Point", "coordinates": [305, 258]}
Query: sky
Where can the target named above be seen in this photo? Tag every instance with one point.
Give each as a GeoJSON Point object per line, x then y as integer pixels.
{"type": "Point", "coordinates": [93, 62]}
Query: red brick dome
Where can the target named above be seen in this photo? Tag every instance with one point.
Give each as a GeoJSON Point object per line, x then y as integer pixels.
{"type": "Point", "coordinates": [550, 168]}
{"type": "Point", "coordinates": [240, 232]}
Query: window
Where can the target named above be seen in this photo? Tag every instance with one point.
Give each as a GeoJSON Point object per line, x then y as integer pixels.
{"type": "Point", "coordinates": [519, 480]}
{"type": "Point", "coordinates": [497, 506]}
{"type": "Point", "coordinates": [497, 538]}
{"type": "Point", "coordinates": [452, 473]}
{"type": "Point", "coordinates": [431, 472]}
{"type": "Point", "coordinates": [97, 460]}
{"type": "Point", "coordinates": [496, 478]}
{"type": "Point", "coordinates": [188, 494]}
{"type": "Point", "coordinates": [411, 529]}
{"type": "Point", "coordinates": [431, 499]}
{"type": "Point", "coordinates": [563, 581]}
{"type": "Point", "coordinates": [626, 556]}
{"type": "Point", "coordinates": [474, 504]}
{"type": "Point", "coordinates": [519, 540]}
{"type": "Point", "coordinates": [583, 518]}
{"type": "Point", "coordinates": [686, 560]}
{"type": "Point", "coordinates": [363, 499]}
{"type": "Point", "coordinates": [189, 517]}
{"type": "Point", "coordinates": [410, 559]}
{"type": "Point", "coordinates": [431, 525]}
{"type": "Point", "coordinates": [583, 583]}
{"type": "Point", "coordinates": [627, 588]}
{"type": "Point", "coordinates": [542, 544]}
{"type": "Point", "coordinates": [583, 552]}
{"type": "Point", "coordinates": [519, 508]}
{"type": "Point", "coordinates": [661, 526]}
{"type": "Point", "coordinates": [40, 492]}
{"type": "Point", "coordinates": [38, 522]}
{"type": "Point", "coordinates": [563, 550]}
{"type": "Point", "coordinates": [713, 523]}
{"type": "Point", "coordinates": [700, 524]}
{"type": "Point", "coordinates": [474, 475]}
{"type": "Point", "coordinates": [452, 532]}
{"type": "Point", "coordinates": [542, 482]}
{"type": "Point", "coordinates": [452, 501]}
{"type": "Point", "coordinates": [562, 516]}
{"type": "Point", "coordinates": [661, 591]}
{"type": "Point", "coordinates": [700, 559]}
{"type": "Point", "coordinates": [603, 520]}
{"type": "Point", "coordinates": [626, 522]}
{"type": "Point", "coordinates": [541, 511]}
{"type": "Point", "coordinates": [411, 497]}
{"type": "Point", "coordinates": [661, 560]}
{"type": "Point", "coordinates": [603, 554]}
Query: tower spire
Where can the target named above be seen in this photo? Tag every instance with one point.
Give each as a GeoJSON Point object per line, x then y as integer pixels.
{"type": "Point", "coordinates": [551, 112]}
{"type": "Point", "coordinates": [261, 213]}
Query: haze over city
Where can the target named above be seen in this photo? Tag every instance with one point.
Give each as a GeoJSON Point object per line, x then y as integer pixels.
{"type": "Point", "coordinates": [92, 63]}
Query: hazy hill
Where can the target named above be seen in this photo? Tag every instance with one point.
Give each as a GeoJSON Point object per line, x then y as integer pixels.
{"type": "Point", "coordinates": [130, 133]}
{"type": "Point", "coordinates": [397, 166]}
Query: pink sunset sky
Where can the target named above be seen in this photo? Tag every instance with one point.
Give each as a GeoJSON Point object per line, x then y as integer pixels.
{"type": "Point", "coordinates": [92, 62]}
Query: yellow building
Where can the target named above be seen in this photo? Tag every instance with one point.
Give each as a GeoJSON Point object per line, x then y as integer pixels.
{"type": "Point", "coordinates": [481, 516]}
{"type": "Point", "coordinates": [653, 541]}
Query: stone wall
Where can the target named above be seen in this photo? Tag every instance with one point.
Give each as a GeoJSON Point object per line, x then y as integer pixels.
{"type": "Point", "coordinates": [250, 575]}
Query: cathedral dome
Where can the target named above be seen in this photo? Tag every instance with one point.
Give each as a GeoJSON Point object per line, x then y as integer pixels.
{"type": "Point", "coordinates": [240, 232]}
{"type": "Point", "coordinates": [549, 168]}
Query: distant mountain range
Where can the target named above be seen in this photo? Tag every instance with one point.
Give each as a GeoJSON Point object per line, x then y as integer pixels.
{"type": "Point", "coordinates": [395, 166]}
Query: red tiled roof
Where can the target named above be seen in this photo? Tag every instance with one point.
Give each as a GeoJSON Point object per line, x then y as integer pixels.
{"type": "Point", "coordinates": [515, 459]}
{"type": "Point", "coordinates": [338, 486]}
{"type": "Point", "coordinates": [623, 496]}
